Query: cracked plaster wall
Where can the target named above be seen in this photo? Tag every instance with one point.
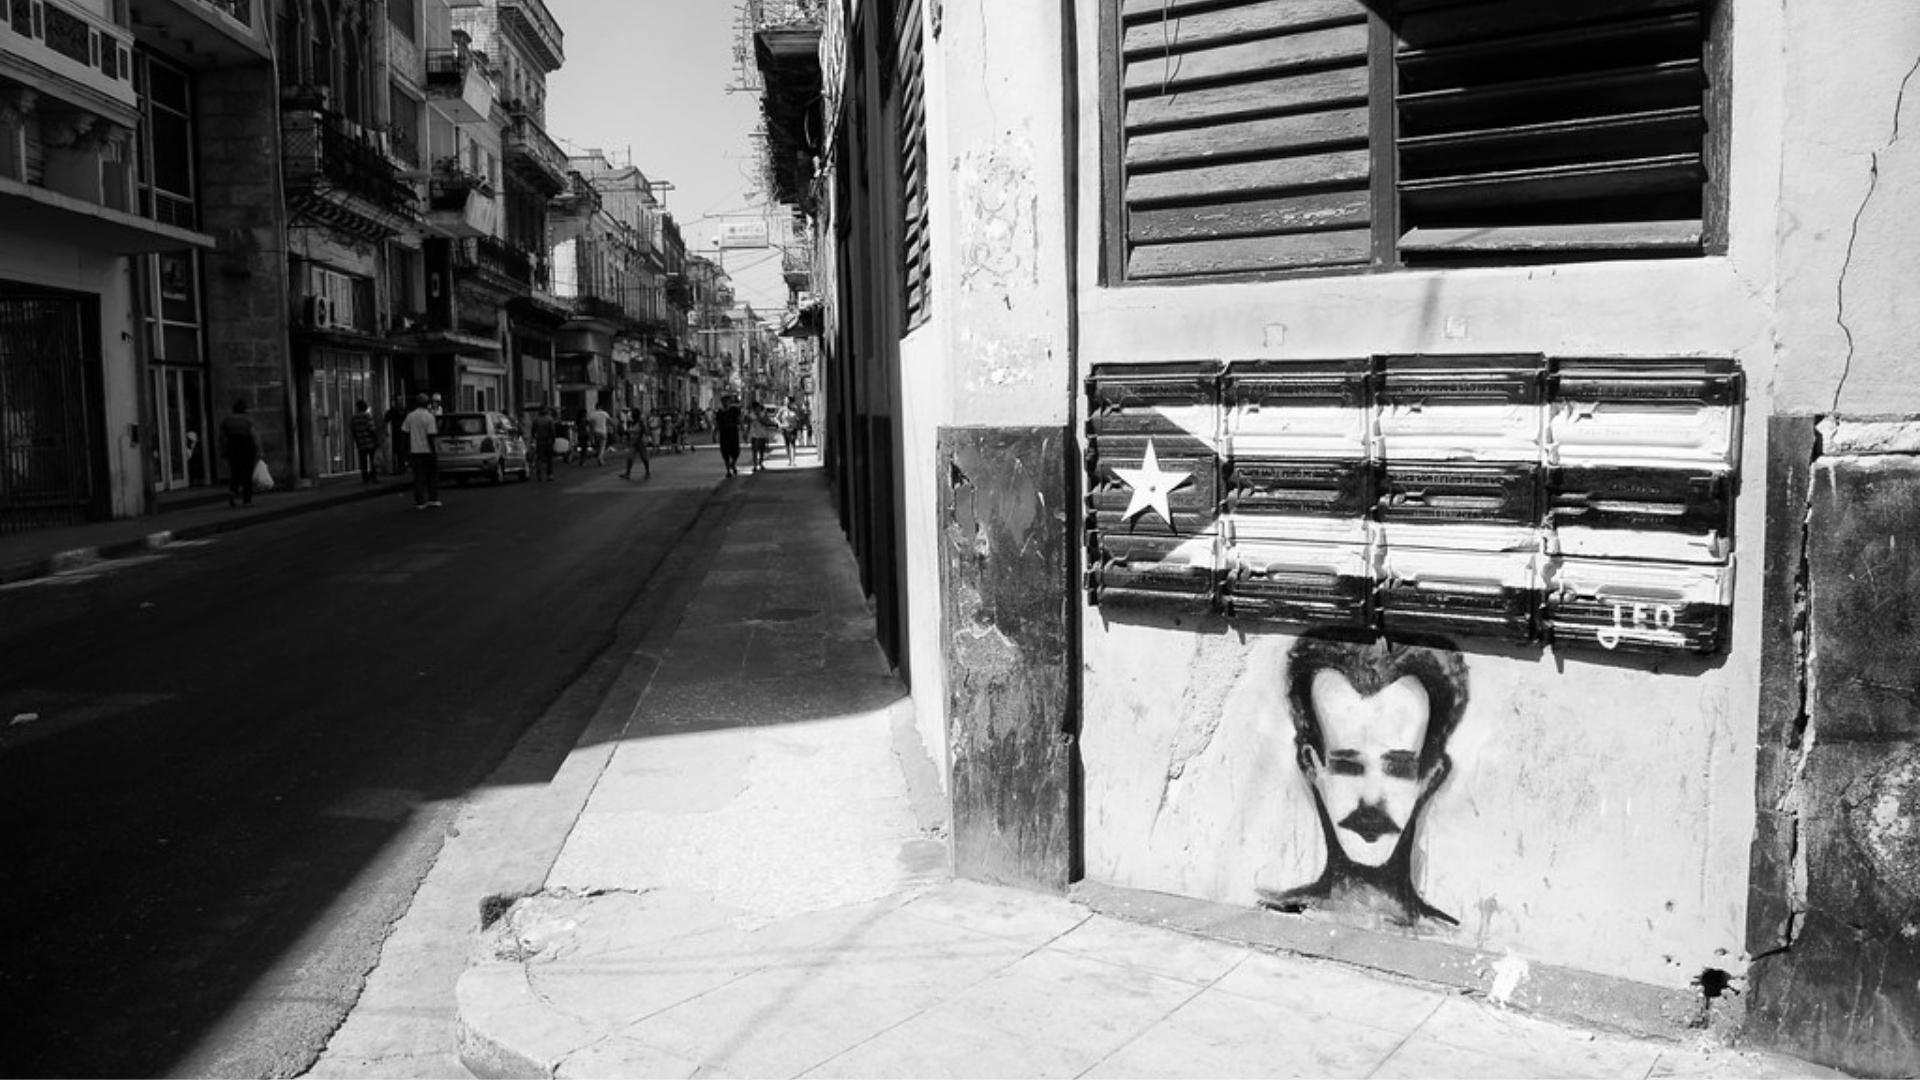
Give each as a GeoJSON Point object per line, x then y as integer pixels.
{"type": "Point", "coordinates": [1600, 809]}
{"type": "Point", "coordinates": [1849, 238]}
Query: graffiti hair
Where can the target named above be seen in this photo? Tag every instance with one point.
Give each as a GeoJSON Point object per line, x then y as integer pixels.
{"type": "Point", "coordinates": [1372, 664]}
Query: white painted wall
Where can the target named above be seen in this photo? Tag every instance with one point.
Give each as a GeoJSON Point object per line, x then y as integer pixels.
{"type": "Point", "coordinates": [1850, 180]}
{"type": "Point", "coordinates": [1599, 811]}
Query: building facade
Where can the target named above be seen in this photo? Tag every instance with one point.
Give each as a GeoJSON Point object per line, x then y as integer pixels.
{"type": "Point", "coordinates": [1403, 478]}
{"type": "Point", "coordinates": [104, 336]}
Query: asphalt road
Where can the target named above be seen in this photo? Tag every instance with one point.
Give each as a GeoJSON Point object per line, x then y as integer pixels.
{"type": "Point", "coordinates": [226, 767]}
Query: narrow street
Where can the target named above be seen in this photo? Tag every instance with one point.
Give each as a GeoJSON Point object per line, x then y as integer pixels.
{"type": "Point", "coordinates": [230, 763]}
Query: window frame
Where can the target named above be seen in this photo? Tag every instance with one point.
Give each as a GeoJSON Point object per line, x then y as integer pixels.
{"type": "Point", "coordinates": [1383, 196]}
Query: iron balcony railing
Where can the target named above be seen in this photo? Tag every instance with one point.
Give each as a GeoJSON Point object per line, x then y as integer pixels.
{"type": "Point", "coordinates": [494, 257]}
{"type": "Point", "coordinates": [598, 307]}
{"type": "Point", "coordinates": [447, 67]}
{"type": "Point", "coordinates": [531, 150]}
{"type": "Point", "coordinates": [319, 153]}
{"type": "Point", "coordinates": [451, 183]}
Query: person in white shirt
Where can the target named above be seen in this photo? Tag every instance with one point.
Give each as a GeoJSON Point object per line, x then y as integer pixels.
{"type": "Point", "coordinates": [421, 425]}
{"type": "Point", "coordinates": [598, 421]}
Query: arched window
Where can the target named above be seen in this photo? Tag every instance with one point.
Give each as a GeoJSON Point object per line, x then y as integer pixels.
{"type": "Point", "coordinates": [352, 90]}
{"type": "Point", "coordinates": [320, 36]}
{"type": "Point", "coordinates": [293, 16]}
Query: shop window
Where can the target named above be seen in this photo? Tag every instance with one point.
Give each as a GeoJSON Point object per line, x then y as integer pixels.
{"type": "Point", "coordinates": [1274, 136]}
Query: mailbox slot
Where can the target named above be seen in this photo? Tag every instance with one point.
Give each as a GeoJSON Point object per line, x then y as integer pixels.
{"type": "Point", "coordinates": [1299, 582]}
{"type": "Point", "coordinates": [1641, 511]}
{"type": "Point", "coordinates": [1638, 607]}
{"type": "Point", "coordinates": [1183, 460]}
{"type": "Point", "coordinates": [1155, 399]}
{"type": "Point", "coordinates": [1156, 571]}
{"type": "Point", "coordinates": [1303, 487]}
{"type": "Point", "coordinates": [1682, 412]}
{"type": "Point", "coordinates": [1418, 492]}
{"type": "Point", "coordinates": [1299, 409]}
{"type": "Point", "coordinates": [1461, 408]}
{"type": "Point", "coordinates": [1485, 594]}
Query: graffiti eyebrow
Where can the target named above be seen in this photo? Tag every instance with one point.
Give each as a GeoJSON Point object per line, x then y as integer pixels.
{"type": "Point", "coordinates": [1401, 763]}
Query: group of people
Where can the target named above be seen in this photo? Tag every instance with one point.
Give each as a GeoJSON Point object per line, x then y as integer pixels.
{"type": "Point", "coordinates": [788, 422]}
{"type": "Point", "coordinates": [415, 429]}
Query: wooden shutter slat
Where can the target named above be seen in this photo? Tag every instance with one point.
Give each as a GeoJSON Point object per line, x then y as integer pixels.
{"type": "Point", "coordinates": [1674, 173]}
{"type": "Point", "coordinates": [1513, 17]}
{"type": "Point", "coordinates": [1264, 57]}
{"type": "Point", "coordinates": [915, 260]}
{"type": "Point", "coordinates": [1348, 247]}
{"type": "Point", "coordinates": [1131, 10]}
{"type": "Point", "coordinates": [1549, 239]}
{"type": "Point", "coordinates": [1590, 40]}
{"type": "Point", "coordinates": [1284, 134]}
{"type": "Point", "coordinates": [1181, 33]}
{"type": "Point", "coordinates": [1257, 217]}
{"type": "Point", "coordinates": [1251, 177]}
{"type": "Point", "coordinates": [1589, 139]}
{"type": "Point", "coordinates": [1665, 85]}
{"type": "Point", "coordinates": [1338, 87]}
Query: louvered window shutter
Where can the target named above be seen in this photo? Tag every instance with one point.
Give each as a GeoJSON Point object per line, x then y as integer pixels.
{"type": "Point", "coordinates": [1244, 136]}
{"type": "Point", "coordinates": [915, 263]}
{"type": "Point", "coordinates": [1550, 128]}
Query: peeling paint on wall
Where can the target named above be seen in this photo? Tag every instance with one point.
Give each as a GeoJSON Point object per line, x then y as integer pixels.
{"type": "Point", "coordinates": [999, 205]}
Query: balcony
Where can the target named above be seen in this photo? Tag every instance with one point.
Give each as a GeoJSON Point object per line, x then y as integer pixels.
{"type": "Point", "coordinates": [599, 308]}
{"type": "Point", "coordinates": [796, 266]}
{"type": "Point", "coordinates": [89, 59]}
{"type": "Point", "coordinates": [788, 57]}
{"type": "Point", "coordinates": [458, 86]}
{"type": "Point", "coordinates": [493, 264]}
{"type": "Point", "coordinates": [534, 26]}
{"type": "Point", "coordinates": [460, 203]}
{"type": "Point", "coordinates": [218, 33]}
{"type": "Point", "coordinates": [532, 156]}
{"type": "Point", "coordinates": [342, 178]}
{"type": "Point", "coordinates": [83, 190]}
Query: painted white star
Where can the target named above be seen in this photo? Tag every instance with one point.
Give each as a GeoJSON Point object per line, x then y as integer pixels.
{"type": "Point", "coordinates": [1150, 487]}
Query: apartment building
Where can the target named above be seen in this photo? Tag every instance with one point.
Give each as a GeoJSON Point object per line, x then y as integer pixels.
{"type": "Point", "coordinates": [104, 228]}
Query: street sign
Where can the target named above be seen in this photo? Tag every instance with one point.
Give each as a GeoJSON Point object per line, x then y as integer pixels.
{"type": "Point", "coordinates": [736, 235]}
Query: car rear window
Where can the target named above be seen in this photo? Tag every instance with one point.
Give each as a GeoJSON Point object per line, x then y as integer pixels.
{"type": "Point", "coordinates": [457, 424]}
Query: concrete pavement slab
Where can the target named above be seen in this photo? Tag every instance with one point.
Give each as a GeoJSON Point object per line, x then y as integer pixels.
{"type": "Point", "coordinates": [1225, 1035]}
{"type": "Point", "coordinates": [1034, 1019]}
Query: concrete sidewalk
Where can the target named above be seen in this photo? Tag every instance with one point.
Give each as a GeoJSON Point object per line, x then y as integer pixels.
{"type": "Point", "coordinates": [756, 885]}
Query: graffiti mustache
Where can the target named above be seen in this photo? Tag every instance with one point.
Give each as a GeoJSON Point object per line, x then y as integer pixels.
{"type": "Point", "coordinates": [1369, 821]}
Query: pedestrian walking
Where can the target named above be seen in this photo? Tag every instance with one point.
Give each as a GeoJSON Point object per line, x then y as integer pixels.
{"type": "Point", "coordinates": [366, 440]}
{"type": "Point", "coordinates": [396, 418]}
{"type": "Point", "coordinates": [760, 432]}
{"type": "Point", "coordinates": [422, 426]}
{"type": "Point", "coordinates": [545, 431]}
{"type": "Point", "coordinates": [599, 422]}
{"type": "Point", "coordinates": [726, 431]}
{"type": "Point", "coordinates": [806, 425]}
{"type": "Point", "coordinates": [637, 447]}
{"type": "Point", "coordinates": [788, 422]}
{"type": "Point", "coordinates": [240, 444]}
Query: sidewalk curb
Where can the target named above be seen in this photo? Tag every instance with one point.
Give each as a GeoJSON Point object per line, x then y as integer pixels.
{"type": "Point", "coordinates": [74, 558]}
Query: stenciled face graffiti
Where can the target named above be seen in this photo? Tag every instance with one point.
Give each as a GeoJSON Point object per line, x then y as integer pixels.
{"type": "Point", "coordinates": [1371, 720]}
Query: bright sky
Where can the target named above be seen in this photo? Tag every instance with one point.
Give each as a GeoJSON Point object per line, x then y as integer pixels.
{"type": "Point", "coordinates": [646, 80]}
